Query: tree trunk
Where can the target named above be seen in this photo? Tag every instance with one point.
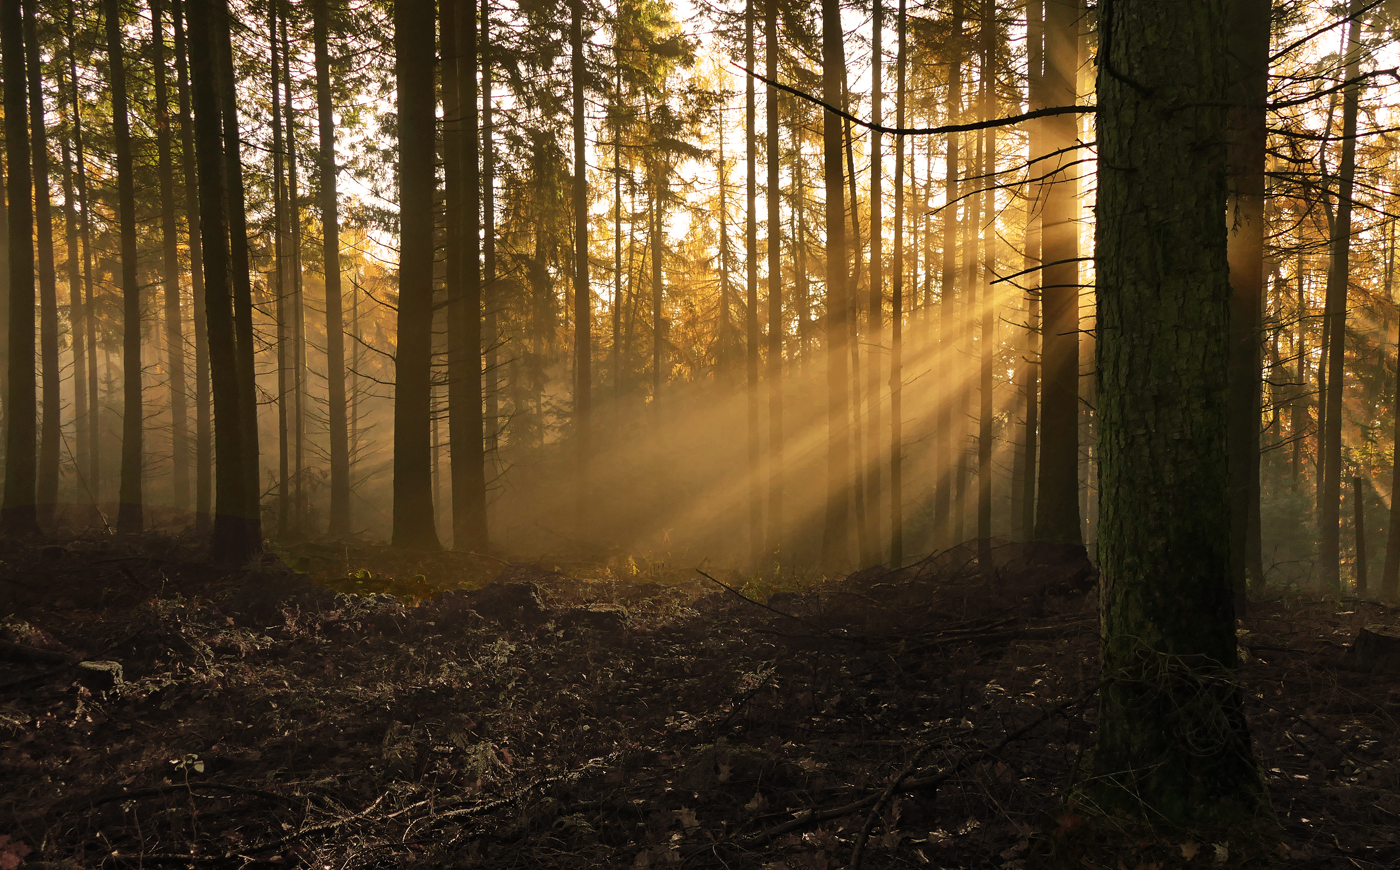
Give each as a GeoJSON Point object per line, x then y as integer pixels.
{"type": "Point", "coordinates": [943, 419]}
{"type": "Point", "coordinates": [1246, 132]}
{"type": "Point", "coordinates": [1338, 278]}
{"type": "Point", "coordinates": [18, 515]}
{"type": "Point", "coordinates": [51, 427]}
{"type": "Point", "coordinates": [280, 280]}
{"type": "Point", "coordinates": [1057, 501]}
{"type": "Point", "coordinates": [241, 285]}
{"type": "Point", "coordinates": [1023, 511]}
{"type": "Point", "coordinates": [776, 331]}
{"type": "Point", "coordinates": [465, 420]}
{"type": "Point", "coordinates": [174, 320]}
{"type": "Point", "coordinates": [129, 514]}
{"type": "Point", "coordinates": [874, 320]}
{"type": "Point", "coordinates": [897, 315]}
{"type": "Point", "coordinates": [236, 533]}
{"type": "Point", "coordinates": [658, 257]}
{"type": "Point", "coordinates": [836, 536]}
{"type": "Point", "coordinates": [1173, 744]}
{"type": "Point", "coordinates": [491, 334]}
{"type": "Point", "coordinates": [1358, 507]}
{"type": "Point", "coordinates": [335, 329]}
{"type": "Point", "coordinates": [985, 422]}
{"type": "Point", "coordinates": [583, 296]}
{"type": "Point", "coordinates": [751, 332]}
{"type": "Point", "coordinates": [413, 503]}
{"type": "Point", "coordinates": [298, 297]}
{"type": "Point", "coordinates": [77, 318]}
{"type": "Point", "coordinates": [203, 437]}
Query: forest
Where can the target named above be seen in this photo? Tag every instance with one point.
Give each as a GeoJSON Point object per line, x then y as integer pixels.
{"type": "Point", "coordinates": [699, 432]}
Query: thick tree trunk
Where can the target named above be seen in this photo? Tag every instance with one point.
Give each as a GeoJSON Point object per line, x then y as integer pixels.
{"type": "Point", "coordinates": [413, 502]}
{"type": "Point", "coordinates": [335, 329]}
{"type": "Point", "coordinates": [241, 286]}
{"type": "Point", "coordinates": [1057, 499]}
{"type": "Point", "coordinates": [236, 534]}
{"type": "Point", "coordinates": [1246, 132]}
{"type": "Point", "coordinates": [18, 516]}
{"type": "Point", "coordinates": [1173, 742]}
{"type": "Point", "coordinates": [1338, 278]}
{"type": "Point", "coordinates": [51, 427]}
{"type": "Point", "coordinates": [170, 261]}
{"type": "Point", "coordinates": [129, 513]}
{"type": "Point", "coordinates": [203, 402]}
{"type": "Point", "coordinates": [837, 532]}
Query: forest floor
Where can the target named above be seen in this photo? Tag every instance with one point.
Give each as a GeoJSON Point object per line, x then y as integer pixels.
{"type": "Point", "coordinates": [628, 715]}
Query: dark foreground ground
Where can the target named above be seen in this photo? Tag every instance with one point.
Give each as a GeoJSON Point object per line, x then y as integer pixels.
{"type": "Point", "coordinates": [653, 720]}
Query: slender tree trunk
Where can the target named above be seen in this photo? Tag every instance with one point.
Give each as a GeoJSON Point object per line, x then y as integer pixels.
{"type": "Point", "coordinates": [174, 320]}
{"type": "Point", "coordinates": [77, 316]}
{"type": "Point", "coordinates": [1057, 501]}
{"type": "Point", "coordinates": [874, 320]}
{"type": "Point", "coordinates": [280, 281]}
{"type": "Point", "coordinates": [836, 536]}
{"type": "Point", "coordinates": [985, 427]}
{"type": "Point", "coordinates": [897, 315]}
{"type": "Point", "coordinates": [658, 314]}
{"type": "Point", "coordinates": [1169, 646]}
{"type": "Point", "coordinates": [752, 334]}
{"type": "Point", "coordinates": [335, 328]}
{"type": "Point", "coordinates": [1338, 277]}
{"type": "Point", "coordinates": [94, 459]}
{"type": "Point", "coordinates": [51, 428]}
{"type": "Point", "coordinates": [413, 504]}
{"type": "Point", "coordinates": [775, 286]}
{"type": "Point", "coordinates": [726, 305]}
{"type": "Point", "coordinates": [1358, 507]}
{"type": "Point", "coordinates": [943, 426]}
{"type": "Point", "coordinates": [465, 421]}
{"type": "Point", "coordinates": [1023, 511]}
{"type": "Point", "coordinates": [236, 534]}
{"type": "Point", "coordinates": [129, 515]}
{"type": "Point", "coordinates": [299, 498]}
{"type": "Point", "coordinates": [18, 514]}
{"type": "Point", "coordinates": [867, 543]}
{"type": "Point", "coordinates": [491, 386]}
{"type": "Point", "coordinates": [203, 402]}
{"type": "Point", "coordinates": [583, 295]}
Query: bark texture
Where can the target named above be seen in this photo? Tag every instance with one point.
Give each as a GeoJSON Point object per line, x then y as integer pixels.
{"type": "Point", "coordinates": [1173, 737]}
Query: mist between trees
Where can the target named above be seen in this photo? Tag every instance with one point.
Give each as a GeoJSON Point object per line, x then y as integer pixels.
{"type": "Point", "coordinates": [748, 330]}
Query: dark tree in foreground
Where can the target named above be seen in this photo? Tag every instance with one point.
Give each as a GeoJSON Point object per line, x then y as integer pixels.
{"type": "Point", "coordinates": [413, 492]}
{"type": "Point", "coordinates": [1172, 736]}
{"type": "Point", "coordinates": [237, 532]}
{"type": "Point", "coordinates": [18, 515]}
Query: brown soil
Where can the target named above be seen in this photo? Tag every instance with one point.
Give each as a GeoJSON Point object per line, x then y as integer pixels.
{"type": "Point", "coordinates": [545, 720]}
